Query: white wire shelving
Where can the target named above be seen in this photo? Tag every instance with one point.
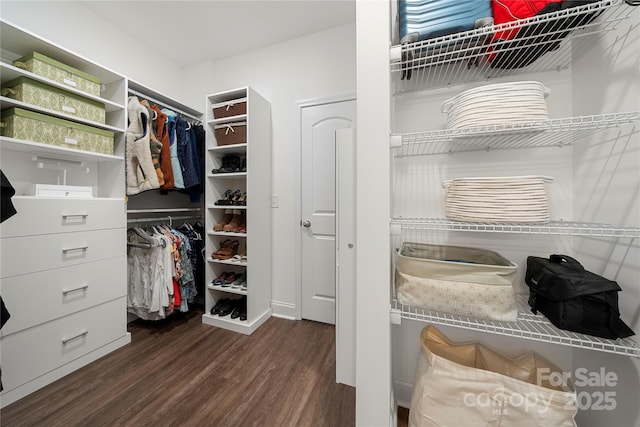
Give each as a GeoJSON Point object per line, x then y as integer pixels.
{"type": "Point", "coordinates": [555, 228]}
{"type": "Point", "coordinates": [528, 326]}
{"type": "Point", "coordinates": [547, 133]}
{"type": "Point", "coordinates": [468, 57]}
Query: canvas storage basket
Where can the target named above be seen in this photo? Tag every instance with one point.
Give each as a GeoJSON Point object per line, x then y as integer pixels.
{"type": "Point", "coordinates": [498, 200]}
{"type": "Point", "coordinates": [472, 385]}
{"type": "Point", "coordinates": [57, 71]}
{"type": "Point", "coordinates": [237, 107]}
{"type": "Point", "coordinates": [231, 133]}
{"type": "Point", "coordinates": [42, 95]}
{"type": "Point", "coordinates": [460, 280]}
{"type": "Point", "coordinates": [31, 126]}
{"type": "Point", "coordinates": [497, 104]}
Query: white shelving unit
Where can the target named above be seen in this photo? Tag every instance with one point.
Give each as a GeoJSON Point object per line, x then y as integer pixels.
{"type": "Point", "coordinates": [444, 62]}
{"type": "Point", "coordinates": [463, 57]}
{"type": "Point", "coordinates": [63, 264]}
{"type": "Point", "coordinates": [256, 183]}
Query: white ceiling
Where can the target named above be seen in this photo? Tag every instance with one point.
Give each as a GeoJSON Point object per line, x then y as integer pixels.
{"type": "Point", "coordinates": [189, 32]}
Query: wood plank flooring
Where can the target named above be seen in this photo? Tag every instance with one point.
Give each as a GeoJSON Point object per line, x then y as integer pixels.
{"type": "Point", "coordinates": [179, 372]}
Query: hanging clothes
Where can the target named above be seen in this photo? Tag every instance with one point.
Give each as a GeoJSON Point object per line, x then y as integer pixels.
{"type": "Point", "coordinates": [172, 117]}
{"type": "Point", "coordinates": [161, 274]}
{"type": "Point", "coordinates": [162, 132]}
{"type": "Point", "coordinates": [140, 172]}
{"type": "Point", "coordinates": [188, 158]}
{"type": "Point", "coordinates": [154, 145]}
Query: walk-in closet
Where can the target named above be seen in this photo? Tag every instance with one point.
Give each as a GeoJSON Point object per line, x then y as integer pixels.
{"type": "Point", "coordinates": [184, 219]}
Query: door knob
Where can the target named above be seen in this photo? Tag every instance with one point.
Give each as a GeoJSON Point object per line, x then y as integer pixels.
{"type": "Point", "coordinates": [306, 223]}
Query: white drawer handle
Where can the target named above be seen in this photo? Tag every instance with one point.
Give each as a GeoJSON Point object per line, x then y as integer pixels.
{"type": "Point", "coordinates": [79, 248]}
{"type": "Point", "coordinates": [81, 215]}
{"type": "Point", "coordinates": [81, 288]}
{"type": "Point", "coordinates": [75, 337]}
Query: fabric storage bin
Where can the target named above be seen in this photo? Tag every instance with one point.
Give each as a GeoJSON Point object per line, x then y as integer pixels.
{"type": "Point", "coordinates": [498, 200]}
{"type": "Point", "coordinates": [31, 126]}
{"type": "Point", "coordinates": [231, 133]}
{"type": "Point", "coordinates": [237, 107]}
{"type": "Point", "coordinates": [42, 95]}
{"type": "Point", "coordinates": [459, 280]}
{"type": "Point", "coordinates": [472, 385]}
{"type": "Point", "coordinates": [497, 104]}
{"type": "Point", "coordinates": [57, 71]}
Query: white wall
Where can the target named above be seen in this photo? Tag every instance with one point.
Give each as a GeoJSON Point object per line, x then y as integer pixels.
{"type": "Point", "coordinates": [316, 66]}
{"type": "Point", "coordinates": [78, 29]}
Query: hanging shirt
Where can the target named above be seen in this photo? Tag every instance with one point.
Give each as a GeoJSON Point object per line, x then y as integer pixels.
{"type": "Point", "coordinates": [173, 148]}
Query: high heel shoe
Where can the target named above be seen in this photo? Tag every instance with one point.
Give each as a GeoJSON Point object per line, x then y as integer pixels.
{"type": "Point", "coordinates": [226, 198]}
{"type": "Point", "coordinates": [229, 249]}
{"type": "Point", "coordinates": [241, 200]}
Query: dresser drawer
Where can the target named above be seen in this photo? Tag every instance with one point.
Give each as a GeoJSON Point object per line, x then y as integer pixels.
{"type": "Point", "coordinates": [55, 215]}
{"type": "Point", "coordinates": [37, 298]}
{"type": "Point", "coordinates": [33, 352]}
{"type": "Point", "coordinates": [30, 254]}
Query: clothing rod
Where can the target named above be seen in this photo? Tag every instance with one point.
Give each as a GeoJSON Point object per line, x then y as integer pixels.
{"type": "Point", "coordinates": [163, 218]}
{"type": "Point", "coordinates": [162, 210]}
{"type": "Point", "coordinates": [162, 104]}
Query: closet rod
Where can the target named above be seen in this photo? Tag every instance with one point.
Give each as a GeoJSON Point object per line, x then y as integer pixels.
{"type": "Point", "coordinates": [162, 104]}
{"type": "Point", "coordinates": [163, 218]}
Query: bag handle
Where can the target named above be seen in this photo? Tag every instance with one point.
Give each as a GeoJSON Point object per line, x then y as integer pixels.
{"type": "Point", "coordinates": [570, 262]}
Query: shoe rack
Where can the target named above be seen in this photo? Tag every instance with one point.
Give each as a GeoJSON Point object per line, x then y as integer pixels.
{"type": "Point", "coordinates": [238, 210]}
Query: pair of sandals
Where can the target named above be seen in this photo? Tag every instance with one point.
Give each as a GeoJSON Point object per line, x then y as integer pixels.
{"type": "Point", "coordinates": [229, 279]}
{"type": "Point", "coordinates": [232, 198]}
{"type": "Point", "coordinates": [227, 250]}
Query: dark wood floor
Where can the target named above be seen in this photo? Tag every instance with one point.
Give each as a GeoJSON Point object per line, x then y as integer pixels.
{"type": "Point", "coordinates": [180, 372]}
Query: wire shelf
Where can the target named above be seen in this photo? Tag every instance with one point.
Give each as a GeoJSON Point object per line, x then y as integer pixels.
{"type": "Point", "coordinates": [464, 57]}
{"type": "Point", "coordinates": [528, 326]}
{"type": "Point", "coordinates": [555, 228]}
{"type": "Point", "coordinates": [548, 133]}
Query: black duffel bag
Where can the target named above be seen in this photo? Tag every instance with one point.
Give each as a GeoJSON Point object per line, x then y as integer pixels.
{"type": "Point", "coordinates": [573, 298]}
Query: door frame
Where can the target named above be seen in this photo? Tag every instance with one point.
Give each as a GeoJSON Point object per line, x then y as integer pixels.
{"type": "Point", "coordinates": [300, 105]}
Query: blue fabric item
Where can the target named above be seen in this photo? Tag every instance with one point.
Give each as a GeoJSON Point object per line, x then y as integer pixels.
{"type": "Point", "coordinates": [173, 148]}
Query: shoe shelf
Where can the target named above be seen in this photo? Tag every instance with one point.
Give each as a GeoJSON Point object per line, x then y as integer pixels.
{"type": "Point", "coordinates": [227, 289]}
{"type": "Point", "coordinates": [227, 262]}
{"type": "Point", "coordinates": [226, 234]}
{"type": "Point", "coordinates": [548, 133]}
{"type": "Point", "coordinates": [227, 207]}
{"type": "Point", "coordinates": [528, 326]}
{"type": "Point", "coordinates": [229, 149]}
{"type": "Point", "coordinates": [555, 228]}
{"type": "Point", "coordinates": [230, 175]}
{"type": "Point", "coordinates": [463, 57]}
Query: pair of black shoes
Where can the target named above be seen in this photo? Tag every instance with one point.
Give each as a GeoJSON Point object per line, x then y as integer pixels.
{"type": "Point", "coordinates": [237, 308]}
{"type": "Point", "coordinates": [232, 163]}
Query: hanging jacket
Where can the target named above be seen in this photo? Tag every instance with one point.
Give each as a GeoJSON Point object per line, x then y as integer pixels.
{"type": "Point", "coordinates": [190, 169]}
{"type": "Point", "coordinates": [154, 145]}
{"type": "Point", "coordinates": [162, 132]}
{"type": "Point", "coordinates": [140, 172]}
{"type": "Point", "coordinates": [173, 148]}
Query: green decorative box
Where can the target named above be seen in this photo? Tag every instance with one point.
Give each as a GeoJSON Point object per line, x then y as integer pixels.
{"type": "Point", "coordinates": [59, 72]}
{"type": "Point", "coordinates": [42, 95]}
{"type": "Point", "coordinates": [31, 126]}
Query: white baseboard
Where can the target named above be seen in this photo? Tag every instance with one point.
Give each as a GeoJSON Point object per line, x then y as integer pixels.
{"type": "Point", "coordinates": [403, 391]}
{"type": "Point", "coordinates": [284, 310]}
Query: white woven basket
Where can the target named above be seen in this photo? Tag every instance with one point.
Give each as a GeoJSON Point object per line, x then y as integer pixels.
{"type": "Point", "coordinates": [498, 200]}
{"type": "Point", "coordinates": [501, 103]}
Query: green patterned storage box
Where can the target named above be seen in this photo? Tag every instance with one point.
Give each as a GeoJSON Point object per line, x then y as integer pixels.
{"type": "Point", "coordinates": [31, 126]}
{"type": "Point", "coordinates": [37, 93]}
{"type": "Point", "coordinates": [59, 72]}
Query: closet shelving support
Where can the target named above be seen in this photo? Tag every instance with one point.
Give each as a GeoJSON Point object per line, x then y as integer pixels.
{"type": "Point", "coordinates": [528, 326]}
{"type": "Point", "coordinates": [548, 133]}
{"type": "Point", "coordinates": [430, 61]}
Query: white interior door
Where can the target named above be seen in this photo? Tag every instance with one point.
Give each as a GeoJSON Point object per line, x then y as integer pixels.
{"type": "Point", "coordinates": [318, 208]}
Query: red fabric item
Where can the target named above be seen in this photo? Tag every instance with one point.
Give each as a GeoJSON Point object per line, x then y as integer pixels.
{"type": "Point", "coordinates": [512, 10]}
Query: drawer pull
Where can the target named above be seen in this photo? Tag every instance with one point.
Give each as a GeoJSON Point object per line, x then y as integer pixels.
{"type": "Point", "coordinates": [75, 337]}
{"type": "Point", "coordinates": [79, 248]}
{"type": "Point", "coordinates": [81, 288]}
{"type": "Point", "coordinates": [81, 215]}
